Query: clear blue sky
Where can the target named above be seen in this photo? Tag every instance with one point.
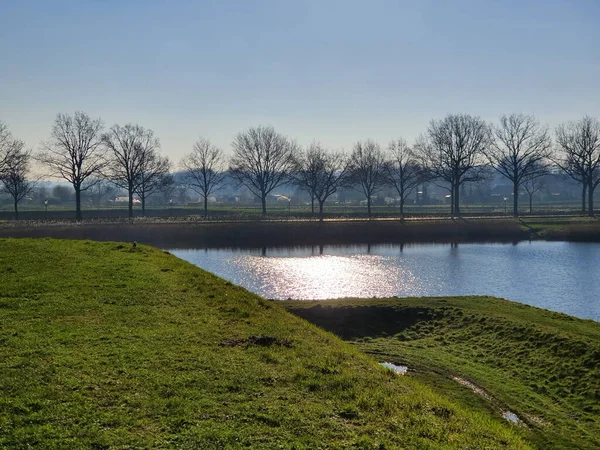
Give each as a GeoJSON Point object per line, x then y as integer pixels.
{"type": "Point", "coordinates": [332, 71]}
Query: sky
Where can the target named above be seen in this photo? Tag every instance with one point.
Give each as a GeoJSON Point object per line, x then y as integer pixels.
{"type": "Point", "coordinates": [317, 70]}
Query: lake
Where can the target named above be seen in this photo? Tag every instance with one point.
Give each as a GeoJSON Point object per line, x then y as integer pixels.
{"type": "Point", "coordinates": [560, 276]}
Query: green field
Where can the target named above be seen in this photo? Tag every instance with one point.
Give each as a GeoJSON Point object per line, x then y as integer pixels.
{"type": "Point", "coordinates": [107, 345]}
{"type": "Point", "coordinates": [493, 355]}
{"type": "Point", "coordinates": [232, 211]}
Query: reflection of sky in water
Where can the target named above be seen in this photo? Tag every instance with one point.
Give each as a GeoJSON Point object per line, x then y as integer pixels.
{"type": "Point", "coordinates": [554, 275]}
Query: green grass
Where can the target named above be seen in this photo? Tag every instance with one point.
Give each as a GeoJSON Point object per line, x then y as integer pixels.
{"type": "Point", "coordinates": [542, 365]}
{"type": "Point", "coordinates": [103, 345]}
{"type": "Point", "coordinates": [585, 229]}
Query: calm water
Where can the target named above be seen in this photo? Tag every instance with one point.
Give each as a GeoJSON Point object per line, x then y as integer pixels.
{"type": "Point", "coordinates": [559, 276]}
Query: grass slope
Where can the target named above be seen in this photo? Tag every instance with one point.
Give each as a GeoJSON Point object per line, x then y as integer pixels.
{"type": "Point", "coordinates": [582, 229]}
{"type": "Point", "coordinates": [542, 365]}
{"type": "Point", "coordinates": [106, 345]}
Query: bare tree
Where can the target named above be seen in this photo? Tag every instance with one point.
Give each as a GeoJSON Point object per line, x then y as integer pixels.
{"type": "Point", "coordinates": [131, 148]}
{"type": "Point", "coordinates": [15, 172]}
{"type": "Point", "coordinates": [154, 174]}
{"type": "Point", "coordinates": [452, 151]}
{"type": "Point", "coordinates": [6, 147]}
{"type": "Point", "coordinates": [403, 171]}
{"type": "Point", "coordinates": [520, 147]}
{"type": "Point", "coordinates": [204, 170]}
{"type": "Point", "coordinates": [580, 154]}
{"type": "Point", "coordinates": [366, 170]}
{"type": "Point", "coordinates": [533, 183]}
{"type": "Point", "coordinates": [74, 152]}
{"type": "Point", "coordinates": [320, 173]}
{"type": "Point", "coordinates": [262, 160]}
{"type": "Point", "coordinates": [305, 174]}
{"type": "Point", "coordinates": [573, 166]}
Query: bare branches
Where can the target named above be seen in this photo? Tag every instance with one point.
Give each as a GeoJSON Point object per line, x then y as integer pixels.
{"type": "Point", "coordinates": [453, 151]}
{"type": "Point", "coordinates": [579, 157]}
{"type": "Point", "coordinates": [520, 147]}
{"type": "Point", "coordinates": [403, 171]}
{"type": "Point", "coordinates": [74, 151]}
{"type": "Point", "coordinates": [204, 169]}
{"type": "Point", "coordinates": [320, 172]}
{"type": "Point", "coordinates": [154, 175]}
{"type": "Point", "coordinates": [15, 172]}
{"type": "Point", "coordinates": [533, 182]}
{"type": "Point", "coordinates": [5, 145]}
{"type": "Point", "coordinates": [262, 160]}
{"type": "Point", "coordinates": [366, 170]}
{"type": "Point", "coordinates": [133, 151]}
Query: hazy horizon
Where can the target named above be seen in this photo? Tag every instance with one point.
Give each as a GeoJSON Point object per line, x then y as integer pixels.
{"type": "Point", "coordinates": [332, 71]}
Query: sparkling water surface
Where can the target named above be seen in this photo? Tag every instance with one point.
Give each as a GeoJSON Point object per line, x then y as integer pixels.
{"type": "Point", "coordinates": [559, 276]}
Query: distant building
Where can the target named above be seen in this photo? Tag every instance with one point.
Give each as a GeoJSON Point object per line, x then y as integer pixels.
{"type": "Point", "coordinates": [126, 200]}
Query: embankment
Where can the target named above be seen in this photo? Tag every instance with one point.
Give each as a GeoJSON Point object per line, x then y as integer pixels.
{"type": "Point", "coordinates": [284, 233]}
{"type": "Point", "coordinates": [107, 345]}
{"type": "Point", "coordinates": [494, 355]}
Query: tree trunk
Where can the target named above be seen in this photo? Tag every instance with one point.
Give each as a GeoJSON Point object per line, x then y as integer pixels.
{"type": "Point", "coordinates": [583, 191]}
{"type": "Point", "coordinates": [455, 199]}
{"type": "Point", "coordinates": [530, 203]}
{"type": "Point", "coordinates": [369, 206]}
{"type": "Point", "coordinates": [312, 206]}
{"type": "Point", "coordinates": [321, 210]}
{"type": "Point", "coordinates": [130, 201]}
{"type": "Point", "coordinates": [515, 199]}
{"type": "Point", "coordinates": [205, 206]}
{"type": "Point", "coordinates": [143, 205]}
{"type": "Point", "coordinates": [16, 210]}
{"type": "Point", "coordinates": [590, 198]}
{"type": "Point", "coordinates": [77, 203]}
{"type": "Point", "coordinates": [264, 205]}
{"type": "Point", "coordinates": [402, 207]}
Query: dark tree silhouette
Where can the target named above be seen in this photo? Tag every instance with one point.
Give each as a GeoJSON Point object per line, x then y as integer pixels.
{"type": "Point", "coordinates": [519, 149]}
{"type": "Point", "coordinates": [154, 174]}
{"type": "Point", "coordinates": [452, 151]}
{"type": "Point", "coordinates": [204, 170]}
{"type": "Point", "coordinates": [74, 152]}
{"type": "Point", "coordinates": [579, 157]}
{"type": "Point", "coordinates": [6, 146]}
{"type": "Point", "coordinates": [262, 160]}
{"type": "Point", "coordinates": [319, 172]}
{"type": "Point", "coordinates": [132, 150]}
{"type": "Point", "coordinates": [15, 172]}
{"type": "Point", "coordinates": [366, 170]}
{"type": "Point", "coordinates": [533, 183]}
{"type": "Point", "coordinates": [403, 171]}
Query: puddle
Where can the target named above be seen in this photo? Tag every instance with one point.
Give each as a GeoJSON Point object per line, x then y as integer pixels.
{"type": "Point", "coordinates": [511, 416]}
{"type": "Point", "coordinates": [506, 414]}
{"type": "Point", "coordinates": [400, 370]}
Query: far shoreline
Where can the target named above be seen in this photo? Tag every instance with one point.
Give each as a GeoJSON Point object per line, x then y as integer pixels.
{"type": "Point", "coordinates": [194, 233]}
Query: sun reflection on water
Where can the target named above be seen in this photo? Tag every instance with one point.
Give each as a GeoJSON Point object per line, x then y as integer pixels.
{"type": "Point", "coordinates": [328, 276]}
{"type": "Point", "coordinates": [551, 275]}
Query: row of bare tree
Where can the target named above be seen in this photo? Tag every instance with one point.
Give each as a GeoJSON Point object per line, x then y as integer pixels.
{"type": "Point", "coordinates": [80, 152]}
{"type": "Point", "coordinates": [455, 150]}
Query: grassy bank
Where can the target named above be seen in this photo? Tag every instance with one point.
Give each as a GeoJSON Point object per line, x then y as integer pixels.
{"type": "Point", "coordinates": [109, 345]}
{"type": "Point", "coordinates": [492, 354]}
{"type": "Point", "coordinates": [575, 229]}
